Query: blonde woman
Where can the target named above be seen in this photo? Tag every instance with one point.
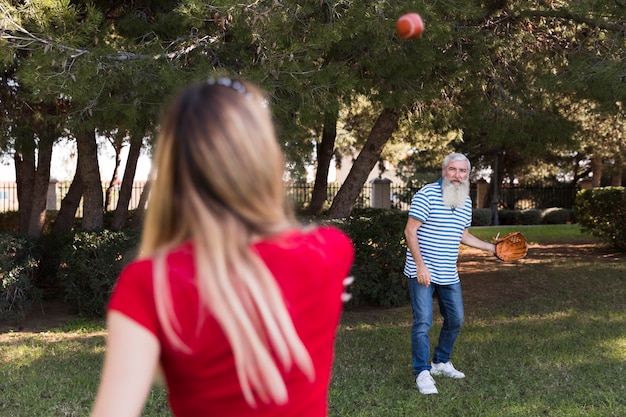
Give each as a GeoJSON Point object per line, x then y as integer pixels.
{"type": "Point", "coordinates": [231, 298]}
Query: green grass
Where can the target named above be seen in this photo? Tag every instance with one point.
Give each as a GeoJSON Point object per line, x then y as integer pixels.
{"type": "Point", "coordinates": [552, 344]}
{"type": "Point", "coordinates": [565, 233]}
{"type": "Point", "coordinates": [548, 339]}
{"type": "Point", "coordinates": [56, 373]}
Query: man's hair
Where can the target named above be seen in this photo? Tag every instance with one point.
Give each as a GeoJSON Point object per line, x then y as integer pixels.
{"type": "Point", "coordinates": [456, 157]}
{"type": "Point", "coordinates": [218, 182]}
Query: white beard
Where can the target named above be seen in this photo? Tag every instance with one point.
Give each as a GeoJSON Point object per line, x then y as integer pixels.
{"type": "Point", "coordinates": [454, 195]}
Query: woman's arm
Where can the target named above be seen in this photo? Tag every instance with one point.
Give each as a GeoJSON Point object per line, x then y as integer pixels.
{"type": "Point", "coordinates": [131, 358]}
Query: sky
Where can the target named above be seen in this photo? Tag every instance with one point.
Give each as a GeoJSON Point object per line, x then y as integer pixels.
{"type": "Point", "coordinates": [64, 164]}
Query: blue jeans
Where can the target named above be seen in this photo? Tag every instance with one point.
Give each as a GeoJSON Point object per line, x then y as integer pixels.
{"type": "Point", "coordinates": [451, 308]}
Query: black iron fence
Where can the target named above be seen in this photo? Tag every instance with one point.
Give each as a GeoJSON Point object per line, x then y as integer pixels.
{"type": "Point", "coordinates": [510, 197]}
{"type": "Point", "coordinates": [520, 197]}
{"type": "Point", "coordinates": [531, 196]}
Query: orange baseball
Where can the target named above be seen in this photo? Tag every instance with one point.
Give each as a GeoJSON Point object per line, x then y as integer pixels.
{"type": "Point", "coordinates": [410, 26]}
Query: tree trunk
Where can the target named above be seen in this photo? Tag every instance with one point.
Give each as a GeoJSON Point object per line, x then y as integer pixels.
{"type": "Point", "coordinates": [69, 205]}
{"type": "Point", "coordinates": [25, 180]}
{"type": "Point", "coordinates": [596, 169]}
{"type": "Point", "coordinates": [126, 191]}
{"type": "Point", "coordinates": [618, 171]}
{"type": "Point", "coordinates": [39, 197]}
{"type": "Point", "coordinates": [324, 156]}
{"type": "Point", "coordinates": [141, 207]}
{"type": "Point", "coordinates": [347, 195]}
{"type": "Point", "coordinates": [108, 202]}
{"type": "Point", "coordinates": [488, 197]}
{"type": "Point", "coordinates": [93, 199]}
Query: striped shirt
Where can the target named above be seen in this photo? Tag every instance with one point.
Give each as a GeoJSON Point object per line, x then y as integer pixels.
{"type": "Point", "coordinates": [439, 235]}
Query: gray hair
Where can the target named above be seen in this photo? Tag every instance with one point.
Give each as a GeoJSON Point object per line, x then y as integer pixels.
{"type": "Point", "coordinates": [456, 157]}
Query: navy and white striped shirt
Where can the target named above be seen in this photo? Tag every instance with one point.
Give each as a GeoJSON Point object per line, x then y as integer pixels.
{"type": "Point", "coordinates": [439, 235]}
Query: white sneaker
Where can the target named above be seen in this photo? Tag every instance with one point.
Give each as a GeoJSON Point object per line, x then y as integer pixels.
{"type": "Point", "coordinates": [426, 383]}
{"type": "Point", "coordinates": [446, 368]}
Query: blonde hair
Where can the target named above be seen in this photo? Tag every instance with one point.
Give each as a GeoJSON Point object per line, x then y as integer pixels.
{"type": "Point", "coordinates": [218, 182]}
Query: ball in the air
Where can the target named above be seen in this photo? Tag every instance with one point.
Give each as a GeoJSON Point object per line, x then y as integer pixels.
{"type": "Point", "coordinates": [410, 26]}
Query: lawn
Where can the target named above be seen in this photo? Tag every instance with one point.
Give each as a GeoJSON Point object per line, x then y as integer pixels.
{"type": "Point", "coordinates": [542, 337]}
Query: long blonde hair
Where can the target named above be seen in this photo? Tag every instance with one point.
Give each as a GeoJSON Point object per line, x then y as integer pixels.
{"type": "Point", "coordinates": [218, 182]}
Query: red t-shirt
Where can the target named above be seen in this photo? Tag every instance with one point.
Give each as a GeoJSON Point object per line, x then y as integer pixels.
{"type": "Point", "coordinates": [309, 268]}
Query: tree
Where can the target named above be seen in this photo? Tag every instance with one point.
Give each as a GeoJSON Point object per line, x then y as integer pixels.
{"type": "Point", "coordinates": [117, 143]}
{"type": "Point", "coordinates": [495, 75]}
{"type": "Point", "coordinates": [121, 212]}
{"type": "Point", "coordinates": [324, 152]}
{"type": "Point", "coordinates": [347, 195]}
{"type": "Point", "coordinates": [56, 51]}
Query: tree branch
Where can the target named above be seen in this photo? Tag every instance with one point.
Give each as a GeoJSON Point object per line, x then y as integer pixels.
{"type": "Point", "coordinates": [566, 15]}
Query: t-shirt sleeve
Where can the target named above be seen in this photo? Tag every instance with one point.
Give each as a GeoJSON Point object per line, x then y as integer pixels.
{"type": "Point", "coordinates": [420, 206]}
{"type": "Point", "coordinates": [133, 295]}
{"type": "Point", "coordinates": [468, 223]}
{"type": "Point", "coordinates": [340, 249]}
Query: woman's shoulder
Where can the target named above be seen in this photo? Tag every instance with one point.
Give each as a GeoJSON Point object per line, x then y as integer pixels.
{"type": "Point", "coordinates": [324, 243]}
{"type": "Point", "coordinates": [312, 235]}
{"type": "Point", "coordinates": [143, 265]}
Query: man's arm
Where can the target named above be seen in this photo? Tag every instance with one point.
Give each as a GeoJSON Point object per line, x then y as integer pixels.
{"type": "Point", "coordinates": [410, 233]}
{"type": "Point", "coordinates": [471, 240]}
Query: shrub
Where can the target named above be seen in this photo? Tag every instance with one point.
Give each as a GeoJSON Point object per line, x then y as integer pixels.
{"type": "Point", "coordinates": [90, 267]}
{"type": "Point", "coordinates": [18, 265]}
{"type": "Point", "coordinates": [557, 215]}
{"type": "Point", "coordinates": [378, 237]}
{"type": "Point", "coordinates": [510, 217]}
{"type": "Point", "coordinates": [481, 217]}
{"type": "Point", "coordinates": [602, 212]}
{"type": "Point", "coordinates": [531, 216]}
{"type": "Point", "coordinates": [9, 222]}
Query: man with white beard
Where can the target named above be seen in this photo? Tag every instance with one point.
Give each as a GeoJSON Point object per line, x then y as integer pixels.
{"type": "Point", "coordinates": [439, 218]}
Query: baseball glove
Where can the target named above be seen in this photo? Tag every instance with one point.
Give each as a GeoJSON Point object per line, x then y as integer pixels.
{"type": "Point", "coordinates": [511, 247]}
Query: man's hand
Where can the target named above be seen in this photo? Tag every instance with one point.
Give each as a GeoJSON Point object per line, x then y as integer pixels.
{"type": "Point", "coordinates": [423, 275]}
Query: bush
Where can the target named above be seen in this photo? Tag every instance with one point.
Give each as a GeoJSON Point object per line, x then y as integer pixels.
{"type": "Point", "coordinates": [510, 217]}
{"type": "Point", "coordinates": [531, 216]}
{"type": "Point", "coordinates": [481, 217]}
{"type": "Point", "coordinates": [9, 222]}
{"type": "Point", "coordinates": [18, 265]}
{"type": "Point", "coordinates": [380, 248]}
{"type": "Point", "coordinates": [557, 215]}
{"type": "Point", "coordinates": [91, 264]}
{"type": "Point", "coordinates": [602, 212]}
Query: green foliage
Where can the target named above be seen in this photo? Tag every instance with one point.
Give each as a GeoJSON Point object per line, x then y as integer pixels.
{"type": "Point", "coordinates": [10, 221]}
{"type": "Point", "coordinates": [378, 237]}
{"type": "Point", "coordinates": [481, 217]}
{"type": "Point", "coordinates": [553, 215]}
{"type": "Point", "coordinates": [18, 264]}
{"type": "Point", "coordinates": [91, 264]}
{"type": "Point", "coordinates": [531, 216]}
{"type": "Point", "coordinates": [556, 215]}
{"type": "Point", "coordinates": [602, 212]}
{"type": "Point", "coordinates": [510, 216]}
{"type": "Point", "coordinates": [485, 77]}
